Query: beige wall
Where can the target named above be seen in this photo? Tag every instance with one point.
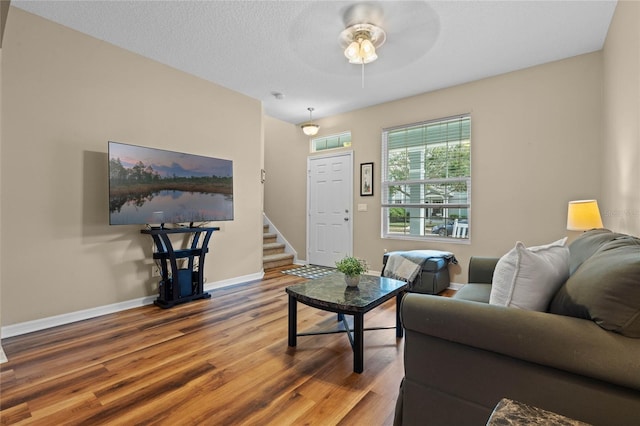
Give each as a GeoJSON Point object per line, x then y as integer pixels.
{"type": "Point", "coordinates": [4, 12]}
{"type": "Point", "coordinates": [1, 350]}
{"type": "Point", "coordinates": [620, 205]}
{"type": "Point", "coordinates": [285, 189]}
{"type": "Point", "coordinates": [64, 96]}
{"type": "Point", "coordinates": [535, 146]}
{"type": "Point", "coordinates": [541, 137]}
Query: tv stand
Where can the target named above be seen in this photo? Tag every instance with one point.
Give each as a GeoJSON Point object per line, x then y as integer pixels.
{"type": "Point", "coordinates": [179, 285]}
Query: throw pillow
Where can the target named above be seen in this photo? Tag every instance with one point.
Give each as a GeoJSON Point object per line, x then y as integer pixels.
{"type": "Point", "coordinates": [606, 288]}
{"type": "Point", "coordinates": [527, 278]}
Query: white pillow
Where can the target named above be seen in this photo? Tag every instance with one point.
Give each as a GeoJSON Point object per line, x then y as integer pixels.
{"type": "Point", "coordinates": [527, 278]}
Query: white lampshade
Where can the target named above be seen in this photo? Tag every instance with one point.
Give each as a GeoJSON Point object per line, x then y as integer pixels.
{"type": "Point", "coordinates": [367, 51]}
{"type": "Point", "coordinates": [583, 215]}
{"type": "Point", "coordinates": [352, 52]}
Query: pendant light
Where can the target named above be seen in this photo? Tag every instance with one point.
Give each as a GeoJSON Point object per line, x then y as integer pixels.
{"type": "Point", "coordinates": [310, 128]}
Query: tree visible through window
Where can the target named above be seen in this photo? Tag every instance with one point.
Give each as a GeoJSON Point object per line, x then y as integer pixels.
{"type": "Point", "coordinates": [426, 182]}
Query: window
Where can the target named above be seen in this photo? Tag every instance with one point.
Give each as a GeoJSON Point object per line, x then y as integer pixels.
{"type": "Point", "coordinates": [331, 142]}
{"type": "Point", "coordinates": [426, 180]}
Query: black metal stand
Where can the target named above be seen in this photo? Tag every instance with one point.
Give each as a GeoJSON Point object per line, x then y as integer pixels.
{"type": "Point", "coordinates": [186, 284]}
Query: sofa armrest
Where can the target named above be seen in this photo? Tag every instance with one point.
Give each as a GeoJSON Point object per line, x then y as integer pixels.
{"type": "Point", "coordinates": [566, 343]}
{"type": "Point", "coordinates": [481, 269]}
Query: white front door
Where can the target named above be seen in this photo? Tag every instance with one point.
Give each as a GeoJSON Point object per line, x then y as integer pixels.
{"type": "Point", "coordinates": [330, 197]}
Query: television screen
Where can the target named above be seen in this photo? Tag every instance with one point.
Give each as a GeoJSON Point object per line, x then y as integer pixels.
{"type": "Point", "coordinates": [155, 186]}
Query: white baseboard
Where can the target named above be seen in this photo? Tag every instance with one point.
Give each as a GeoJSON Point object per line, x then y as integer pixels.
{"type": "Point", "coordinates": [57, 320]}
{"type": "Point", "coordinates": [455, 286]}
{"type": "Point", "coordinates": [452, 286]}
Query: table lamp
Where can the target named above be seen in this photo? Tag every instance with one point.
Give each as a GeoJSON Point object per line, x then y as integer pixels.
{"type": "Point", "coordinates": [583, 215]}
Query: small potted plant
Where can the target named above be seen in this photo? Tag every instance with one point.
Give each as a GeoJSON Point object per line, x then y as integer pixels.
{"type": "Point", "coordinates": [351, 267]}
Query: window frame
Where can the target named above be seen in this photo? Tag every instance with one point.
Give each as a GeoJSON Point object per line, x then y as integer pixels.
{"type": "Point", "coordinates": [346, 144]}
{"type": "Point", "coordinates": [386, 203]}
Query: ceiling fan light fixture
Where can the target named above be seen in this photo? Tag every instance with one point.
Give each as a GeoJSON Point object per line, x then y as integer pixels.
{"type": "Point", "coordinates": [310, 128]}
{"type": "Point", "coordinates": [361, 41]}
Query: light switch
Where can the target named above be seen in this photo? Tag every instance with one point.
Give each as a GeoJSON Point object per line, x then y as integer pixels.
{"type": "Point", "coordinates": [362, 207]}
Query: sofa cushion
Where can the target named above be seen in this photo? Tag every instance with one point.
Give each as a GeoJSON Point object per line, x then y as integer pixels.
{"type": "Point", "coordinates": [527, 278]}
{"type": "Point", "coordinates": [587, 244]}
{"type": "Point", "coordinates": [474, 292]}
{"type": "Point", "coordinates": [606, 288]}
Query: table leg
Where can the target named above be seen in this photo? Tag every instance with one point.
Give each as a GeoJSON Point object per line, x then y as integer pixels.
{"type": "Point", "coordinates": [399, 328]}
{"type": "Point", "coordinates": [293, 320]}
{"type": "Point", "coordinates": [358, 347]}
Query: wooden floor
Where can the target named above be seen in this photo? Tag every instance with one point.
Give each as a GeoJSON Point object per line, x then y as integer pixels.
{"type": "Point", "coordinates": [218, 361]}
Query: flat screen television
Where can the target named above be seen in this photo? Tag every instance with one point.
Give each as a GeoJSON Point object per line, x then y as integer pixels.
{"type": "Point", "coordinates": [150, 186]}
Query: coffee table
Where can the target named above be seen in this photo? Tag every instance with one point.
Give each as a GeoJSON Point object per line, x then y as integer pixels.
{"type": "Point", "coordinates": [330, 293]}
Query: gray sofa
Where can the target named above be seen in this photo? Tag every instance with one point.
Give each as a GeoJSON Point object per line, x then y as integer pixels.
{"type": "Point", "coordinates": [580, 359]}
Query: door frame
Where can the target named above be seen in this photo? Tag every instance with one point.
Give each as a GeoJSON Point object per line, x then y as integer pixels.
{"type": "Point", "coordinates": [310, 158]}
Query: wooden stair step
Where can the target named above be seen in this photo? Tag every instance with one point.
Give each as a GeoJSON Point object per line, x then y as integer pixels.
{"type": "Point", "coordinates": [273, 254]}
{"type": "Point", "coordinates": [276, 260]}
{"type": "Point", "coordinates": [272, 248]}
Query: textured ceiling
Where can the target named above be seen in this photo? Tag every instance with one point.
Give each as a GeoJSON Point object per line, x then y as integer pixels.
{"type": "Point", "coordinates": [292, 47]}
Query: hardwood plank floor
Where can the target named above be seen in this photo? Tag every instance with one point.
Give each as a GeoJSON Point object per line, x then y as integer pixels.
{"type": "Point", "coordinates": [218, 361]}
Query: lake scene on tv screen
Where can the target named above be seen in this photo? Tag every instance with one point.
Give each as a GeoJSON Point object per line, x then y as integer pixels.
{"type": "Point", "coordinates": [155, 186]}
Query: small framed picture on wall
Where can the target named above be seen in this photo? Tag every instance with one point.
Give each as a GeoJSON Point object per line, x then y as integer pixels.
{"type": "Point", "coordinates": [366, 179]}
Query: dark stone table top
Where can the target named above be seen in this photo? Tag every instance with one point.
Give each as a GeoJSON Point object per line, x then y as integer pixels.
{"type": "Point", "coordinates": [509, 412]}
{"type": "Point", "coordinates": [331, 293]}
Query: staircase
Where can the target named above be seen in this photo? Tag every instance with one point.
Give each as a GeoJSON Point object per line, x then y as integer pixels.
{"type": "Point", "coordinates": [273, 254]}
